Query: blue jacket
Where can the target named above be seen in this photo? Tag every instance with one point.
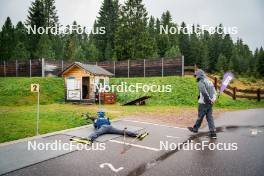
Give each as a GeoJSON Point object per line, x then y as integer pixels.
{"type": "Point", "coordinates": [101, 121]}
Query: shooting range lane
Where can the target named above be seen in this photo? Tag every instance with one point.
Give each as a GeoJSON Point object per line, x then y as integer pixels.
{"type": "Point", "coordinates": [16, 156]}
{"type": "Point", "coordinates": [109, 161]}
{"type": "Point", "coordinates": [245, 127]}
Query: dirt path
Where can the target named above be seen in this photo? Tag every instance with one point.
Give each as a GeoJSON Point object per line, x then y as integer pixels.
{"type": "Point", "coordinates": [175, 117]}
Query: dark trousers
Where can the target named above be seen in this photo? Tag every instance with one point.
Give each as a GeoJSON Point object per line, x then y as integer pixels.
{"type": "Point", "coordinates": [205, 110]}
{"type": "Point", "coordinates": [109, 129]}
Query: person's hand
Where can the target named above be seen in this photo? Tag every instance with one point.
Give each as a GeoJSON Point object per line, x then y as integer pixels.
{"type": "Point", "coordinates": [212, 102]}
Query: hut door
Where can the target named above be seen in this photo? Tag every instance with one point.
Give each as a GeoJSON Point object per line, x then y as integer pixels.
{"type": "Point", "coordinates": [85, 87]}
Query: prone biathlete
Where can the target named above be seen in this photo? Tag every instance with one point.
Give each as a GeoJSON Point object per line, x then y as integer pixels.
{"type": "Point", "coordinates": [103, 126]}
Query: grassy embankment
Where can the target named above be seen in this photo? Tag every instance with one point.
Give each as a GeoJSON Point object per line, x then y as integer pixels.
{"type": "Point", "coordinates": [18, 104]}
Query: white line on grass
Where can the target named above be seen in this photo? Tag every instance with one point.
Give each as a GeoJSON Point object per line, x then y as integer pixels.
{"type": "Point", "coordinates": [135, 145]}
{"type": "Point", "coordinates": [149, 123]}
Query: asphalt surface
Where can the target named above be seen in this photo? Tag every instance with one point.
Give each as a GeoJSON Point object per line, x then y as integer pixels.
{"type": "Point", "coordinates": [243, 129]}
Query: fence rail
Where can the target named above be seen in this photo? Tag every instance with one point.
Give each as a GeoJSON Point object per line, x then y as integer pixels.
{"type": "Point", "coordinates": [235, 92]}
{"type": "Point", "coordinates": [127, 68]}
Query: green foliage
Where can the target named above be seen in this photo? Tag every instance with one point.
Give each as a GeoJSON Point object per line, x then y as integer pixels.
{"type": "Point", "coordinates": [92, 52]}
{"type": "Point", "coordinates": [7, 40]}
{"type": "Point", "coordinates": [20, 52]}
{"type": "Point", "coordinates": [108, 18]}
{"type": "Point", "coordinates": [260, 62]}
{"type": "Point", "coordinates": [132, 37]}
{"type": "Point", "coordinates": [184, 44]}
{"type": "Point", "coordinates": [130, 33]}
{"type": "Point", "coordinates": [41, 13]}
{"type": "Point", "coordinates": [174, 51]}
{"type": "Point", "coordinates": [44, 48]}
{"type": "Point", "coordinates": [222, 63]}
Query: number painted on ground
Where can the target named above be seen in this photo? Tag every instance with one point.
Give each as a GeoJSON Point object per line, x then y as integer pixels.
{"type": "Point", "coordinates": [111, 167]}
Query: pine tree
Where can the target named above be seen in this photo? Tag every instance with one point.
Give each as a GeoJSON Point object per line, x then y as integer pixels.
{"type": "Point", "coordinates": [70, 49]}
{"type": "Point", "coordinates": [166, 21]}
{"type": "Point", "coordinates": [50, 13]}
{"type": "Point", "coordinates": [222, 64]}
{"type": "Point", "coordinates": [260, 62]}
{"type": "Point", "coordinates": [58, 45]}
{"type": "Point", "coordinates": [234, 61]}
{"type": "Point", "coordinates": [91, 52]}
{"type": "Point", "coordinates": [132, 38]}
{"type": "Point", "coordinates": [174, 51]}
{"type": "Point", "coordinates": [41, 13]}
{"type": "Point", "coordinates": [184, 44]}
{"type": "Point", "coordinates": [44, 48]}
{"type": "Point", "coordinates": [20, 52]}
{"type": "Point", "coordinates": [7, 38]}
{"type": "Point", "coordinates": [108, 18]}
{"type": "Point", "coordinates": [21, 42]}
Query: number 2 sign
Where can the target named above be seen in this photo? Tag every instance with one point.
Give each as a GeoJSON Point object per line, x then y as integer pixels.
{"type": "Point", "coordinates": [34, 87]}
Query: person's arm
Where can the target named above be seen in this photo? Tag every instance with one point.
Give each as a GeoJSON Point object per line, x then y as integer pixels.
{"type": "Point", "coordinates": [204, 92]}
{"type": "Point", "coordinates": [214, 95]}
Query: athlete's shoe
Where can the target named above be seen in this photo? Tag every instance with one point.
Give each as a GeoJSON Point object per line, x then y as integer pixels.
{"type": "Point", "coordinates": [191, 129]}
{"type": "Point", "coordinates": [213, 135]}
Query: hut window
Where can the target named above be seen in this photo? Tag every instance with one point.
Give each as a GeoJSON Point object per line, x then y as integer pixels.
{"type": "Point", "coordinates": [101, 82]}
{"type": "Point", "coordinates": [72, 83]}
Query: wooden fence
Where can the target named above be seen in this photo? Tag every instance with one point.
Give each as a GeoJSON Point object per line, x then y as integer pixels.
{"type": "Point", "coordinates": [235, 92]}
{"type": "Point", "coordinates": [128, 68]}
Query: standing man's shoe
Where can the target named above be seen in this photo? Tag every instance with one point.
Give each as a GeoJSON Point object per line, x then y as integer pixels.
{"type": "Point", "coordinates": [191, 129]}
{"type": "Point", "coordinates": [213, 135]}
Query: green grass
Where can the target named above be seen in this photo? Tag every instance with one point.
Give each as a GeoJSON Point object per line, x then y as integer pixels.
{"type": "Point", "coordinates": [18, 104]}
{"type": "Point", "coordinates": [16, 91]}
{"type": "Point", "coordinates": [20, 122]}
{"type": "Point", "coordinates": [184, 93]}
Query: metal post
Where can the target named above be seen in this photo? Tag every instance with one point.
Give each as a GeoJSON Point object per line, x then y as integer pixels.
{"type": "Point", "coordinates": [114, 68]}
{"type": "Point", "coordinates": [16, 69]}
{"type": "Point", "coordinates": [43, 67]}
{"type": "Point", "coordinates": [5, 68]}
{"type": "Point", "coordinates": [37, 130]}
{"type": "Point", "coordinates": [30, 67]}
{"type": "Point", "coordinates": [128, 68]}
{"type": "Point", "coordinates": [144, 68]}
{"type": "Point", "coordinates": [62, 64]}
{"type": "Point", "coordinates": [182, 65]}
{"type": "Point", "coordinates": [162, 67]}
{"type": "Point", "coordinates": [96, 63]}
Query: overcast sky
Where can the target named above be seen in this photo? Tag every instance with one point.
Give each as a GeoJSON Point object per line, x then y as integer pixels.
{"type": "Point", "coordinates": [246, 15]}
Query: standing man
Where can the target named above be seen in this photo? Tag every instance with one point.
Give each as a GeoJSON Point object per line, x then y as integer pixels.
{"type": "Point", "coordinates": [206, 99]}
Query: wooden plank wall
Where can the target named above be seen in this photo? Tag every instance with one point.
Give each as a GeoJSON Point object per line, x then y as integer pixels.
{"type": "Point", "coordinates": [127, 68]}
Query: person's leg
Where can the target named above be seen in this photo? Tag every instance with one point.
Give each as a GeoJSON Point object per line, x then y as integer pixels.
{"type": "Point", "coordinates": [201, 114]}
{"type": "Point", "coordinates": [114, 130]}
{"type": "Point", "coordinates": [103, 130]}
{"type": "Point", "coordinates": [210, 119]}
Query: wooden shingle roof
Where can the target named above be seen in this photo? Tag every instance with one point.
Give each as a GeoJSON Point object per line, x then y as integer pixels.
{"type": "Point", "coordinates": [93, 69]}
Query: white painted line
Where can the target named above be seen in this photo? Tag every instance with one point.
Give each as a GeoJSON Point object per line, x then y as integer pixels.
{"type": "Point", "coordinates": [175, 137]}
{"type": "Point", "coordinates": [149, 123]}
{"type": "Point", "coordinates": [111, 167]}
{"type": "Point", "coordinates": [135, 145]}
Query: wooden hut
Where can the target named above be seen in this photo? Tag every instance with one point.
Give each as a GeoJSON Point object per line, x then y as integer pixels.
{"type": "Point", "coordinates": [80, 80]}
